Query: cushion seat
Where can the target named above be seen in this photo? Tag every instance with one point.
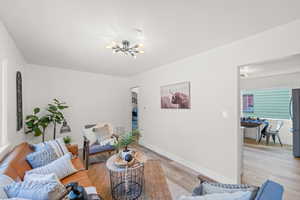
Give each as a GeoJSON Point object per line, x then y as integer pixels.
{"type": "Point", "coordinates": [96, 148]}
{"type": "Point", "coordinates": [81, 177]}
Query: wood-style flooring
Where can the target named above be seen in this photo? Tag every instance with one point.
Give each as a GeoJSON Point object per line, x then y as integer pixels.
{"type": "Point", "coordinates": [260, 163]}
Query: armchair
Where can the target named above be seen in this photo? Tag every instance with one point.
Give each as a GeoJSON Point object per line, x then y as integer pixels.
{"type": "Point", "coordinates": [94, 143]}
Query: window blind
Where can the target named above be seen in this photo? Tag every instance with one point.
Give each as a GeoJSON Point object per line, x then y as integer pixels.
{"type": "Point", "coordinates": [270, 103]}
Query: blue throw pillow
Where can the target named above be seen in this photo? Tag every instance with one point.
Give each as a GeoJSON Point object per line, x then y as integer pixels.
{"type": "Point", "coordinates": [270, 190]}
{"type": "Point", "coordinates": [41, 158]}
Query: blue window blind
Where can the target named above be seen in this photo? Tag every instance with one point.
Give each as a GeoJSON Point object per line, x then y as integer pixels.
{"type": "Point", "coordinates": [269, 103]}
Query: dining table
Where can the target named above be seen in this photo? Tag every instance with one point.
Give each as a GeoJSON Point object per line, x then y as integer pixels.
{"type": "Point", "coordinates": [255, 123]}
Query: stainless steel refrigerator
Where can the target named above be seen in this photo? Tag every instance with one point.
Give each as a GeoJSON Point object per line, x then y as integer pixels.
{"type": "Point", "coordinates": [295, 115]}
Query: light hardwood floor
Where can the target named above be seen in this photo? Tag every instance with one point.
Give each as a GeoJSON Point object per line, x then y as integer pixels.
{"type": "Point", "coordinates": [273, 162]}
{"type": "Point", "coordinates": [261, 162]}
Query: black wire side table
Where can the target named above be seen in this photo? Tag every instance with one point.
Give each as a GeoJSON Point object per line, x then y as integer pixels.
{"type": "Point", "coordinates": [127, 183]}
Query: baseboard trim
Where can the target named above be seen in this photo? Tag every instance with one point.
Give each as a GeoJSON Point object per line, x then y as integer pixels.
{"type": "Point", "coordinates": [204, 171]}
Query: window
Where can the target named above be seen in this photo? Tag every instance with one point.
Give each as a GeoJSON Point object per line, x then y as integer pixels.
{"type": "Point", "coordinates": [267, 103]}
{"type": "Point", "coordinates": [248, 103]}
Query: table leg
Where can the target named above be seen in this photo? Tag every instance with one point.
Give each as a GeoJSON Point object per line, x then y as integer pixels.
{"type": "Point", "coordinates": [258, 134]}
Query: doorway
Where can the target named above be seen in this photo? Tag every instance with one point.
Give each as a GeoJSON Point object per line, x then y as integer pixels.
{"type": "Point", "coordinates": [271, 137]}
{"type": "Point", "coordinates": [134, 108]}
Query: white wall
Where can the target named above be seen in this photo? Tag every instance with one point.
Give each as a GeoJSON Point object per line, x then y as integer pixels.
{"type": "Point", "coordinates": [207, 137]}
{"type": "Point", "coordinates": [92, 97]}
{"type": "Point", "coordinates": [10, 54]}
{"type": "Point", "coordinates": [276, 81]}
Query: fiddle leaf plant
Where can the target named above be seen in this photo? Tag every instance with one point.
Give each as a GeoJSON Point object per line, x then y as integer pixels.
{"type": "Point", "coordinates": [37, 124]}
{"type": "Point", "coordinates": [55, 113]}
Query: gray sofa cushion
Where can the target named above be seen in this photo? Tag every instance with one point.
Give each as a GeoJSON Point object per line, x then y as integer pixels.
{"type": "Point", "coordinates": [197, 191]}
{"type": "Point", "coordinates": [220, 196]}
{"type": "Point", "coordinates": [212, 188]}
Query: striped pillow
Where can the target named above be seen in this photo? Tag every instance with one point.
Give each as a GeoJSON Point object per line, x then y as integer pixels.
{"type": "Point", "coordinates": [58, 146]}
{"type": "Point", "coordinates": [41, 158]}
{"type": "Point", "coordinates": [36, 190]}
{"type": "Point", "coordinates": [62, 167]}
{"type": "Point", "coordinates": [4, 180]}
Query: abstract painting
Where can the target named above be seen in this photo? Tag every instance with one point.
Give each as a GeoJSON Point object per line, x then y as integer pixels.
{"type": "Point", "coordinates": [175, 96]}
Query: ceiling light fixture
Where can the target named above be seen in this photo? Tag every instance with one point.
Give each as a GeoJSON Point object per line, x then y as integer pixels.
{"type": "Point", "coordinates": [244, 72]}
{"type": "Point", "coordinates": [125, 48]}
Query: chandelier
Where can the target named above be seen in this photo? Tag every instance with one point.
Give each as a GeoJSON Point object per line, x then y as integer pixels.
{"type": "Point", "coordinates": [125, 48]}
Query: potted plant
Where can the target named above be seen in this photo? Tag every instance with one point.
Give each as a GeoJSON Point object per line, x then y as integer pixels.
{"type": "Point", "coordinates": [67, 140]}
{"type": "Point", "coordinates": [125, 140]}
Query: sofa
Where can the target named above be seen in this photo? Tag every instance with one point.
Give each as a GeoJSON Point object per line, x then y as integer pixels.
{"type": "Point", "coordinates": [15, 166]}
{"type": "Point", "coordinates": [268, 191]}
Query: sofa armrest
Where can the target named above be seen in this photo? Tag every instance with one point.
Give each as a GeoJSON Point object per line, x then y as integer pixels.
{"type": "Point", "coordinates": [73, 148]}
{"type": "Point", "coordinates": [197, 191]}
{"type": "Point", "coordinates": [202, 179]}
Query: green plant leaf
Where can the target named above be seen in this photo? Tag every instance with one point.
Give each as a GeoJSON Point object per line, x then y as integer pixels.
{"type": "Point", "coordinates": [62, 107]}
{"type": "Point", "coordinates": [29, 117]}
{"type": "Point", "coordinates": [36, 110]}
{"type": "Point", "coordinates": [29, 124]}
{"type": "Point", "coordinates": [37, 131]}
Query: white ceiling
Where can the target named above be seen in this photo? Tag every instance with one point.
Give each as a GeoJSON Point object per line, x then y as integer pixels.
{"type": "Point", "coordinates": [280, 66]}
{"type": "Point", "coordinates": [73, 33]}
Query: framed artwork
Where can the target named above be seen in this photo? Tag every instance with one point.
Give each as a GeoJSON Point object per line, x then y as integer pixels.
{"type": "Point", "coordinates": [19, 101]}
{"type": "Point", "coordinates": [248, 103]}
{"type": "Point", "coordinates": [175, 96]}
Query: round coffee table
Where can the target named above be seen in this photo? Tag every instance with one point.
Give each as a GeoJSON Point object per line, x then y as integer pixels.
{"type": "Point", "coordinates": [127, 183]}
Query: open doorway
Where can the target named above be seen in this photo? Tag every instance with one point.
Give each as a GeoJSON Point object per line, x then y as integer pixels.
{"type": "Point", "coordinates": [134, 108]}
{"type": "Point", "coordinates": [270, 120]}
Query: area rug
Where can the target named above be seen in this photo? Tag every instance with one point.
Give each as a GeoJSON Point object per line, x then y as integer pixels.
{"type": "Point", "coordinates": [175, 189]}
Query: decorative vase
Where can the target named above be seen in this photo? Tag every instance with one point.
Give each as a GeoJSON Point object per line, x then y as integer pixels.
{"type": "Point", "coordinates": [125, 152]}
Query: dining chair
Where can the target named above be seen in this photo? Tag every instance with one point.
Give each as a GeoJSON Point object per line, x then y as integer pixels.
{"type": "Point", "coordinates": [270, 132]}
